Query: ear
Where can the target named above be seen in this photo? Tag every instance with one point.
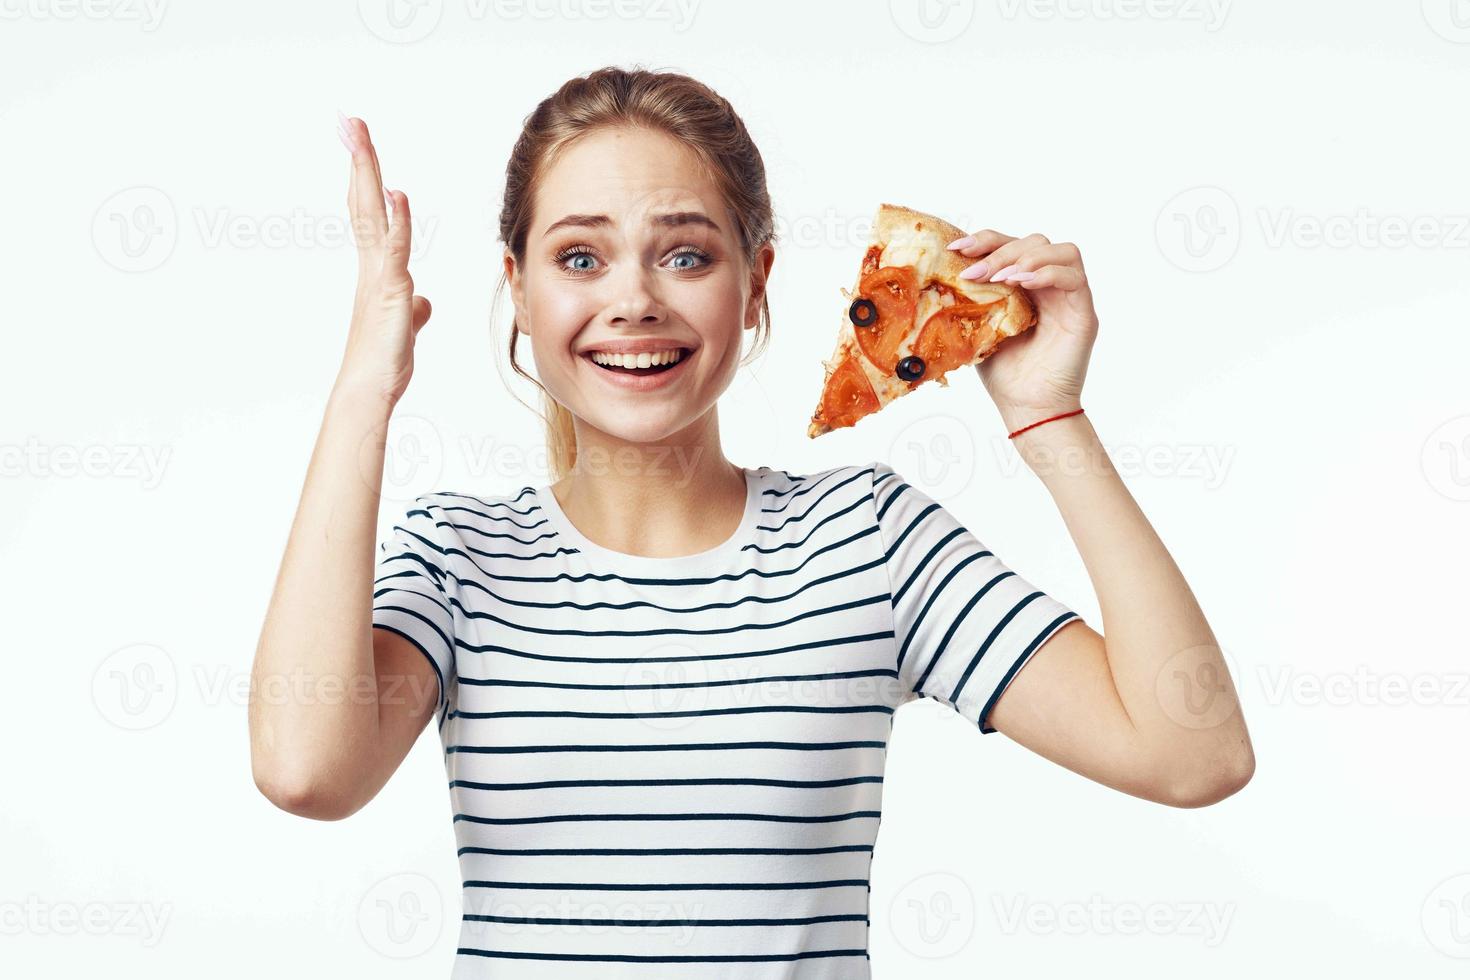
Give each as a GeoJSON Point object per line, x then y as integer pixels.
{"type": "Point", "coordinates": [760, 273]}
{"type": "Point", "coordinates": [517, 289]}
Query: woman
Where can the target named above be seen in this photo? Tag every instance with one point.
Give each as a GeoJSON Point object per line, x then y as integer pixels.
{"type": "Point", "coordinates": [664, 683]}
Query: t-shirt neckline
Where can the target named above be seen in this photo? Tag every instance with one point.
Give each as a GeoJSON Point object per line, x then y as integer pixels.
{"type": "Point", "coordinates": [710, 558]}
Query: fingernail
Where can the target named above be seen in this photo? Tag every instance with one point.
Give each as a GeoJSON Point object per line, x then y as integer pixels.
{"type": "Point", "coordinates": [1003, 273]}
{"type": "Point", "coordinates": [975, 271]}
{"type": "Point", "coordinates": [959, 243]}
{"type": "Point", "coordinates": [388, 200]}
{"type": "Point", "coordinates": [1021, 277]}
{"type": "Point", "coordinates": [344, 131]}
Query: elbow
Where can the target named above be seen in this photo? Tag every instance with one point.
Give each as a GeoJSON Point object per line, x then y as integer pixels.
{"type": "Point", "coordinates": [1208, 785]}
{"type": "Point", "coordinates": [300, 789]}
{"type": "Point", "coordinates": [302, 796]}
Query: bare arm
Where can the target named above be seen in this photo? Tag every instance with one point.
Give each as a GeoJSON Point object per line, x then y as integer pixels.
{"type": "Point", "coordinates": [325, 734]}
{"type": "Point", "coordinates": [1150, 711]}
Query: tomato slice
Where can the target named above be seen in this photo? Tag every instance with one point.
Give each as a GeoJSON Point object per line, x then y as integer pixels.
{"type": "Point", "coordinates": [893, 290]}
{"type": "Point", "coordinates": [848, 395]}
{"type": "Point", "coordinates": [951, 337]}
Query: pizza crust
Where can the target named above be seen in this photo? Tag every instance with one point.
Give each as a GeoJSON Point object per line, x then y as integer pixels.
{"type": "Point", "coordinates": [913, 238]}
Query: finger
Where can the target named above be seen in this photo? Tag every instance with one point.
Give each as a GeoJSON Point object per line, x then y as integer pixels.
{"type": "Point", "coordinates": [421, 312]}
{"type": "Point", "coordinates": [373, 152]}
{"type": "Point", "coordinates": [365, 193]}
{"type": "Point", "coordinates": [1067, 278]}
{"type": "Point", "coordinates": [999, 261]}
{"type": "Point", "coordinates": [1032, 259]}
{"type": "Point", "coordinates": [395, 261]}
{"type": "Point", "coordinates": [381, 206]}
{"type": "Point", "coordinates": [345, 134]}
{"type": "Point", "coordinates": [979, 243]}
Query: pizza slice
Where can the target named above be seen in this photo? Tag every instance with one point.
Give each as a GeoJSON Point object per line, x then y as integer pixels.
{"type": "Point", "coordinates": [912, 319]}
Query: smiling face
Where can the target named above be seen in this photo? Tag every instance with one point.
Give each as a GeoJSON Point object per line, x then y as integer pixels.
{"type": "Point", "coordinates": [630, 241]}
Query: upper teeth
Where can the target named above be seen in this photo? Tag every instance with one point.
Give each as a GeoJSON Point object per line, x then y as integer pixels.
{"type": "Point", "coordinates": [642, 360]}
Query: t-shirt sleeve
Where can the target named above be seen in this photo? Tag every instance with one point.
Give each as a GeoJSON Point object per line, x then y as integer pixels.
{"type": "Point", "coordinates": [412, 589]}
{"type": "Point", "coordinates": [964, 624]}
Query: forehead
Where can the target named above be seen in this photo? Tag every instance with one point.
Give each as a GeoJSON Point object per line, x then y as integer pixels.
{"type": "Point", "coordinates": [627, 174]}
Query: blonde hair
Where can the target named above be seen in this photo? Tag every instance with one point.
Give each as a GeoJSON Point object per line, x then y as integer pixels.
{"type": "Point", "coordinates": [664, 101]}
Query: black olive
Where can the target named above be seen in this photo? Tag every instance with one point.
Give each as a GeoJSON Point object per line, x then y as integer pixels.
{"type": "Point", "coordinates": [862, 313]}
{"type": "Point", "coordinates": [911, 368]}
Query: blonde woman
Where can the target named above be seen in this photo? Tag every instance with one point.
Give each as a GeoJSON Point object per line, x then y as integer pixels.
{"type": "Point", "coordinates": [664, 682]}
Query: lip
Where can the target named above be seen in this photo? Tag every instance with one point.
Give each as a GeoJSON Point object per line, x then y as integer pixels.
{"type": "Point", "coordinates": [636, 345]}
{"type": "Point", "coordinates": [636, 382]}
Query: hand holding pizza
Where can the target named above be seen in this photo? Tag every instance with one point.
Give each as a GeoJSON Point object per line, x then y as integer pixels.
{"type": "Point", "coordinates": [1037, 374]}
{"type": "Point", "coordinates": [921, 307]}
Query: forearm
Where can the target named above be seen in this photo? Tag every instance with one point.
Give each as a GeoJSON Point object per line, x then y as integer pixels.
{"type": "Point", "coordinates": [1165, 661]}
{"type": "Point", "coordinates": [314, 705]}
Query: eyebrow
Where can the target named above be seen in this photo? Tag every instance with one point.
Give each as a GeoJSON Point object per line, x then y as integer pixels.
{"type": "Point", "coordinates": [670, 220]}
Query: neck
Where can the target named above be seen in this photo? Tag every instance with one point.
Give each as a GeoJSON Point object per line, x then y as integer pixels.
{"type": "Point", "coordinates": [666, 498]}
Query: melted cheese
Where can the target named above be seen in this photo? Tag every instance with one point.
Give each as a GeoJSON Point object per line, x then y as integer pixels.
{"type": "Point", "coordinates": [930, 301]}
{"type": "Point", "coordinates": [910, 251]}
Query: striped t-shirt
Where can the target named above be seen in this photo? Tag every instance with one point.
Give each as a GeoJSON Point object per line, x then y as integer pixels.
{"type": "Point", "coordinates": [673, 767]}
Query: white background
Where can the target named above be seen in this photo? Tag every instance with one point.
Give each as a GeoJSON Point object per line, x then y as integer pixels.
{"type": "Point", "coordinates": [1289, 408]}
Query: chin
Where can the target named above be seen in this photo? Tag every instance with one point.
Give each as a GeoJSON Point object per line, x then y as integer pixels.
{"type": "Point", "coordinates": [640, 430]}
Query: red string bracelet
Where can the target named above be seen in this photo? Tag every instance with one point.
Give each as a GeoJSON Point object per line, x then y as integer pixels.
{"type": "Point", "coordinates": [1033, 425]}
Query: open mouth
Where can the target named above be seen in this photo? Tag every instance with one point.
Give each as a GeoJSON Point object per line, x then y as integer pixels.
{"type": "Point", "coordinates": [670, 363]}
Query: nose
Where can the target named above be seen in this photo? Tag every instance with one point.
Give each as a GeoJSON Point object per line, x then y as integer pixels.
{"type": "Point", "coordinates": [634, 300]}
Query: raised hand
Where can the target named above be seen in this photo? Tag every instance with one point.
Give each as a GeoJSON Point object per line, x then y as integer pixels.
{"type": "Point", "coordinates": [386, 315]}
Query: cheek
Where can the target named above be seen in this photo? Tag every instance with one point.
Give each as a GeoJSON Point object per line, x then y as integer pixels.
{"type": "Point", "coordinates": [712, 308]}
{"type": "Point", "coordinates": [557, 318]}
{"type": "Point", "coordinates": [557, 314]}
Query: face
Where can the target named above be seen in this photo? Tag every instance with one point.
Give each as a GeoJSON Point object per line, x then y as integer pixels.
{"type": "Point", "coordinates": [629, 241]}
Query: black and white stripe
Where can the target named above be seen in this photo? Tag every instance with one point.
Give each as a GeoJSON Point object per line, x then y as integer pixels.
{"type": "Point", "coordinates": [965, 623]}
{"type": "Point", "coordinates": [673, 767]}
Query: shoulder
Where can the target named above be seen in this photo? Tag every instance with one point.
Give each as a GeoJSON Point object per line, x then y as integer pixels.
{"type": "Point", "coordinates": [455, 515]}
{"type": "Point", "coordinates": [785, 481]}
{"type": "Point", "coordinates": [520, 500]}
{"type": "Point", "coordinates": [847, 488]}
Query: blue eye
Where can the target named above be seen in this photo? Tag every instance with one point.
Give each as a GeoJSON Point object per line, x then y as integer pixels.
{"type": "Point", "coordinates": [691, 253]}
{"type": "Point", "coordinates": [574, 252]}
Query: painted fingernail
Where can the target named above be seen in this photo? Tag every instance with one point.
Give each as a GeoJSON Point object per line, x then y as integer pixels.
{"type": "Point", "coordinates": [344, 132]}
{"type": "Point", "coordinates": [1021, 277]}
{"type": "Point", "coordinates": [959, 243]}
{"type": "Point", "coordinates": [1003, 273]}
{"type": "Point", "coordinates": [976, 271]}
